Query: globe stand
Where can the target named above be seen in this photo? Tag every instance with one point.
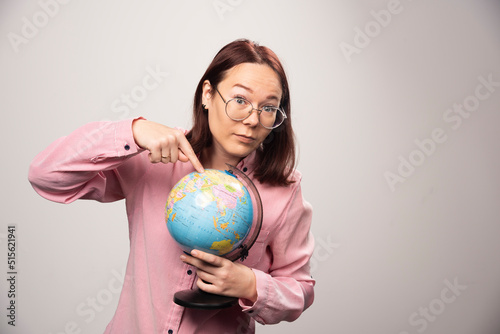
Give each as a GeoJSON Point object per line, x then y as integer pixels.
{"type": "Point", "coordinates": [203, 300]}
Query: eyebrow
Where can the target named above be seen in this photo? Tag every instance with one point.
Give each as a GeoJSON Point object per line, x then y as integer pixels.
{"type": "Point", "coordinates": [270, 97]}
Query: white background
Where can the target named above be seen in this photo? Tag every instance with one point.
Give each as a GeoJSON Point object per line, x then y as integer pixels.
{"type": "Point", "coordinates": [383, 255]}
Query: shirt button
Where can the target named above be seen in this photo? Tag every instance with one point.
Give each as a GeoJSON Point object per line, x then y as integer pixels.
{"type": "Point", "coordinates": [170, 331]}
{"type": "Point", "coordinates": [189, 272]}
{"type": "Point", "coordinates": [245, 169]}
{"type": "Point", "coordinates": [127, 147]}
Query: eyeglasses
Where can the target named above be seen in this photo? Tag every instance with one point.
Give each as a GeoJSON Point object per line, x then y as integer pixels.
{"type": "Point", "coordinates": [240, 108]}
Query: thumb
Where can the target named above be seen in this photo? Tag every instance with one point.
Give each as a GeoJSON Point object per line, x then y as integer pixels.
{"type": "Point", "coordinates": [183, 157]}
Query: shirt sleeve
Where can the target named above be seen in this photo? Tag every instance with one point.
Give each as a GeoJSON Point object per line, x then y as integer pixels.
{"type": "Point", "coordinates": [288, 289]}
{"type": "Point", "coordinates": [84, 164]}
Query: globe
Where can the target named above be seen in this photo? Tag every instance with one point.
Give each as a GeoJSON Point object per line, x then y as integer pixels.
{"type": "Point", "coordinates": [210, 211]}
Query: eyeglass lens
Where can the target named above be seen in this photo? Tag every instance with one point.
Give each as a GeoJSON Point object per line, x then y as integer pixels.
{"type": "Point", "coordinates": [239, 109]}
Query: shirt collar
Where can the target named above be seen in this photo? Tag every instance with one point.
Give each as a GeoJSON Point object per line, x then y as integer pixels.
{"type": "Point", "coordinates": [247, 164]}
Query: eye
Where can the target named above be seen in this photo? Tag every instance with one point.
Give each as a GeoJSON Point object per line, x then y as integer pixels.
{"type": "Point", "coordinates": [269, 109]}
{"type": "Point", "coordinates": [240, 100]}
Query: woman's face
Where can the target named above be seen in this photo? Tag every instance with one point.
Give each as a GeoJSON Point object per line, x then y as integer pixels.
{"type": "Point", "coordinates": [259, 84]}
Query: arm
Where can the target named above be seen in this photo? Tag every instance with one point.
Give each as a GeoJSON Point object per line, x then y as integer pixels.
{"type": "Point", "coordinates": [288, 289]}
{"type": "Point", "coordinates": [94, 161]}
{"type": "Point", "coordinates": [83, 164]}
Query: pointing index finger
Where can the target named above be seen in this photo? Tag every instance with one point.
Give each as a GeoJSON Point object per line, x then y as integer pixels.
{"type": "Point", "coordinates": [189, 153]}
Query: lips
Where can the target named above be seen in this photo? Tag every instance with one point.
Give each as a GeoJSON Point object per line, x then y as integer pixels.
{"type": "Point", "coordinates": [245, 139]}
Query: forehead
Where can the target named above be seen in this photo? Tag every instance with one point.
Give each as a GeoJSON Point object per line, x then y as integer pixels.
{"type": "Point", "coordinates": [259, 78]}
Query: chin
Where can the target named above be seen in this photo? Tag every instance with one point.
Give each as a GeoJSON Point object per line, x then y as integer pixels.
{"type": "Point", "coordinates": [244, 150]}
{"type": "Point", "coordinates": [240, 154]}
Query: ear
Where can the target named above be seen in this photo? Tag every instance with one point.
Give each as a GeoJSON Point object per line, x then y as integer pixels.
{"type": "Point", "coordinates": [206, 92]}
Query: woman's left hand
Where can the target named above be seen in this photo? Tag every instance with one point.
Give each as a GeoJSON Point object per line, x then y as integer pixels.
{"type": "Point", "coordinates": [221, 276]}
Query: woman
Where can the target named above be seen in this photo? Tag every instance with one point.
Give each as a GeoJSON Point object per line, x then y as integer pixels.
{"type": "Point", "coordinates": [241, 117]}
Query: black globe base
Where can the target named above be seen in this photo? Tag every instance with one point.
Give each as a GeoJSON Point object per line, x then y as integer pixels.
{"type": "Point", "coordinates": [203, 300]}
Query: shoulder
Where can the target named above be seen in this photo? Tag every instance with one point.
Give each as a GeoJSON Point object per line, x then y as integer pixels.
{"type": "Point", "coordinates": [281, 195]}
{"type": "Point", "coordinates": [295, 177]}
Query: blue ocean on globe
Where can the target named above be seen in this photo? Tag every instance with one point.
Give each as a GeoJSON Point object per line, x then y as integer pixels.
{"type": "Point", "coordinates": [210, 211]}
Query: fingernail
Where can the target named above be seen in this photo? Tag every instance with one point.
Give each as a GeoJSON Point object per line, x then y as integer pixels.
{"type": "Point", "coordinates": [183, 257]}
{"type": "Point", "coordinates": [194, 252]}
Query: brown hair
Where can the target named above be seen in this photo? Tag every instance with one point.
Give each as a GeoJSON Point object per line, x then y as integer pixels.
{"type": "Point", "coordinates": [276, 157]}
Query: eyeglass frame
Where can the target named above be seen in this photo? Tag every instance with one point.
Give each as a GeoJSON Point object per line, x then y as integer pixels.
{"type": "Point", "coordinates": [259, 111]}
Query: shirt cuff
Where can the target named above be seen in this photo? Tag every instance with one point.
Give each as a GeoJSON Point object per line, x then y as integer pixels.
{"type": "Point", "coordinates": [262, 283]}
{"type": "Point", "coordinates": [124, 137]}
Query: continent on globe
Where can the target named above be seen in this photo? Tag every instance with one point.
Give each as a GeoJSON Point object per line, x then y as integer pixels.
{"type": "Point", "coordinates": [210, 211]}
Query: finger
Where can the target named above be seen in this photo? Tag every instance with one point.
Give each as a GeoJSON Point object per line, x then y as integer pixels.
{"type": "Point", "coordinates": [198, 263]}
{"type": "Point", "coordinates": [202, 267]}
{"type": "Point", "coordinates": [166, 157]}
{"type": "Point", "coordinates": [174, 154]}
{"type": "Point", "coordinates": [187, 150]}
{"type": "Point", "coordinates": [206, 276]}
{"type": "Point", "coordinates": [153, 159]}
{"type": "Point", "coordinates": [155, 154]}
{"type": "Point", "coordinates": [207, 287]}
{"type": "Point", "coordinates": [212, 259]}
{"type": "Point", "coordinates": [182, 157]}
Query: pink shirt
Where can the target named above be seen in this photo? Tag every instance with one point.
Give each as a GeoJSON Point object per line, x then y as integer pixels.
{"type": "Point", "coordinates": [101, 161]}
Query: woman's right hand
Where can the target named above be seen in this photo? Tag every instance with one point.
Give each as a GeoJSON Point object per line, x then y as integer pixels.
{"type": "Point", "coordinates": [163, 143]}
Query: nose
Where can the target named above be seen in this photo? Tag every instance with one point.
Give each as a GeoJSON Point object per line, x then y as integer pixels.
{"type": "Point", "coordinates": [253, 119]}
